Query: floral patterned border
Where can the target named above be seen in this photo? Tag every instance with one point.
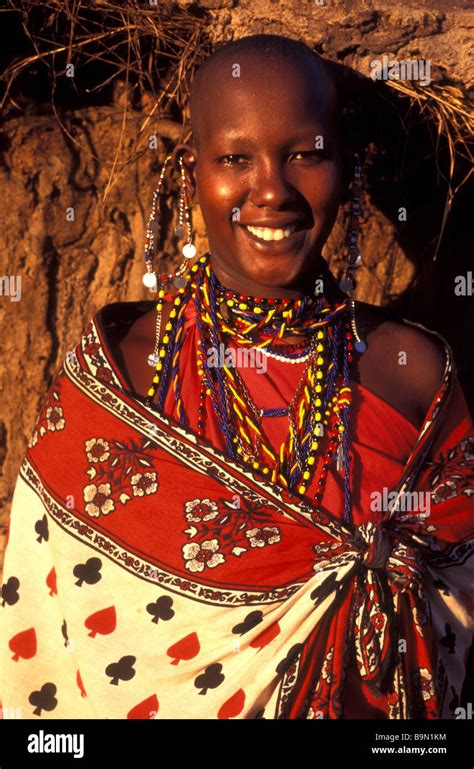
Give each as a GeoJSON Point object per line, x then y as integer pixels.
{"type": "Point", "coordinates": [139, 566]}
{"type": "Point", "coordinates": [220, 530]}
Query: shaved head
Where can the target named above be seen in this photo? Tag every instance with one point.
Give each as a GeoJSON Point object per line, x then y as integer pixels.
{"type": "Point", "coordinates": [226, 67]}
{"type": "Point", "coordinates": [266, 152]}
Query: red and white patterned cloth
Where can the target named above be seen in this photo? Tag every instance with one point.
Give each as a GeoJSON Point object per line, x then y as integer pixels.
{"type": "Point", "coordinates": [148, 576]}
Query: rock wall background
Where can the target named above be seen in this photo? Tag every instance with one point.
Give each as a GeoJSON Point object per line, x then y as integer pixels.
{"type": "Point", "coordinates": [79, 156]}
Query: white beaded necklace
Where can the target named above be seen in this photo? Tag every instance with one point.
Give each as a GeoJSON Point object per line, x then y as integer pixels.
{"type": "Point", "coordinates": [299, 359]}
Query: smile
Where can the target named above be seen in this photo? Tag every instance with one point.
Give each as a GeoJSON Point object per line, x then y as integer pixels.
{"type": "Point", "coordinates": [271, 233]}
{"type": "Point", "coordinates": [275, 241]}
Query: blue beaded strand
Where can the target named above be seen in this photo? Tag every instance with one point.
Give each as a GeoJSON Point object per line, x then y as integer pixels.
{"type": "Point", "coordinates": [225, 416]}
{"type": "Point", "coordinates": [223, 425]}
{"type": "Point", "coordinates": [165, 374]}
{"type": "Point", "coordinates": [345, 421]}
{"type": "Point", "coordinates": [281, 412]}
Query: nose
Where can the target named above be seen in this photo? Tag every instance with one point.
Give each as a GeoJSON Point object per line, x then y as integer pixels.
{"type": "Point", "coordinates": [270, 186]}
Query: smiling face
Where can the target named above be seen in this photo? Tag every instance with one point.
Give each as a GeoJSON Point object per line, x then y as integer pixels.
{"type": "Point", "coordinates": [267, 173]}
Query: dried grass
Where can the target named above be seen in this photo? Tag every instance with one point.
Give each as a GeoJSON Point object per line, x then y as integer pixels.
{"type": "Point", "coordinates": [446, 108]}
{"type": "Point", "coordinates": [154, 51]}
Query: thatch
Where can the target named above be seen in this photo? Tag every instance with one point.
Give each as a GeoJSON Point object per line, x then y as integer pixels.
{"type": "Point", "coordinates": [151, 52]}
{"type": "Point", "coordinates": [446, 108]}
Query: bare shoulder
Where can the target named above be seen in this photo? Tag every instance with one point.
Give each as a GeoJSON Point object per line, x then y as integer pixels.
{"type": "Point", "coordinates": [134, 347]}
{"type": "Point", "coordinates": [404, 361]}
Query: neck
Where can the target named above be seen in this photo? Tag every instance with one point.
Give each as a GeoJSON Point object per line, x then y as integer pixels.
{"type": "Point", "coordinates": [304, 285]}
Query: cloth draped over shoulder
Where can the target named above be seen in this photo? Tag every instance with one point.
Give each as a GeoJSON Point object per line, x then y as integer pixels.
{"type": "Point", "coordinates": [148, 576]}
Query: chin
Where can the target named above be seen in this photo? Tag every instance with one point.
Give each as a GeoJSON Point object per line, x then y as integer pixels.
{"type": "Point", "coordinates": [275, 271]}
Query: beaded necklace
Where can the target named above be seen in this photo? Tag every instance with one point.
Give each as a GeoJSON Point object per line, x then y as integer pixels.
{"type": "Point", "coordinates": [319, 411]}
{"type": "Point", "coordinates": [285, 356]}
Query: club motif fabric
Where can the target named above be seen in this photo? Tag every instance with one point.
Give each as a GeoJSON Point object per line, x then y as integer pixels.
{"type": "Point", "coordinates": [148, 576]}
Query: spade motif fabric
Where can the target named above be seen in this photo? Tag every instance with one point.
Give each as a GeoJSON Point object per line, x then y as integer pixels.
{"type": "Point", "coordinates": [148, 576]}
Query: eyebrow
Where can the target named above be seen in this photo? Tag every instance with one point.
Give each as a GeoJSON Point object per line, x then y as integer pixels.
{"type": "Point", "coordinates": [237, 138]}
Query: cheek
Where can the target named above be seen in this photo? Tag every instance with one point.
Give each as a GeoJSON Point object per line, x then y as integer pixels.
{"type": "Point", "coordinates": [216, 193]}
{"type": "Point", "coordinates": [218, 205]}
{"type": "Point", "coordinates": [328, 186]}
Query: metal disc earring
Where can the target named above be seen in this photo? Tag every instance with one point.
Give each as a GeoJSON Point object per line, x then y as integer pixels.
{"type": "Point", "coordinates": [354, 260]}
{"type": "Point", "coordinates": [151, 278]}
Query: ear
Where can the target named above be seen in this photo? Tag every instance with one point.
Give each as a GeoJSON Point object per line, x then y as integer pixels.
{"type": "Point", "coordinates": [189, 157]}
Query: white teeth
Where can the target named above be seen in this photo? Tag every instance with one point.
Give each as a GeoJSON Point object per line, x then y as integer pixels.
{"type": "Point", "coordinates": [271, 233]}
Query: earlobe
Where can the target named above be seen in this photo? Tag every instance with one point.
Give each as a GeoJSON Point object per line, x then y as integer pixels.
{"type": "Point", "coordinates": [188, 156]}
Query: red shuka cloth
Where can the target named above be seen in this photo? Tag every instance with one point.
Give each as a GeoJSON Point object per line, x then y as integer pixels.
{"type": "Point", "coordinates": [143, 558]}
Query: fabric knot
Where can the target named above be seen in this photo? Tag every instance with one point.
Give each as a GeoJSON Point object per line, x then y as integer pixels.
{"type": "Point", "coordinates": [378, 546]}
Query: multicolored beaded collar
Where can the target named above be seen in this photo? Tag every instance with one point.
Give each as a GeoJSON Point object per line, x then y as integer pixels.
{"type": "Point", "coordinates": [318, 415]}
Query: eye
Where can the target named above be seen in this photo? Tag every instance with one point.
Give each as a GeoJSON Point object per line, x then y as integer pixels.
{"type": "Point", "coordinates": [231, 160]}
{"type": "Point", "coordinates": [310, 154]}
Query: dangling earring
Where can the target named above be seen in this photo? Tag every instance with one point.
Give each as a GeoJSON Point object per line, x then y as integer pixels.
{"type": "Point", "coordinates": [150, 278]}
{"type": "Point", "coordinates": [348, 281]}
{"type": "Point", "coordinates": [189, 249]}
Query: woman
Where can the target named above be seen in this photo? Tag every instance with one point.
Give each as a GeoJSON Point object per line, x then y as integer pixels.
{"type": "Point", "coordinates": [286, 534]}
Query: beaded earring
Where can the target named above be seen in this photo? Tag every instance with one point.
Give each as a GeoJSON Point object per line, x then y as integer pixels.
{"type": "Point", "coordinates": [151, 278]}
{"type": "Point", "coordinates": [348, 281]}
